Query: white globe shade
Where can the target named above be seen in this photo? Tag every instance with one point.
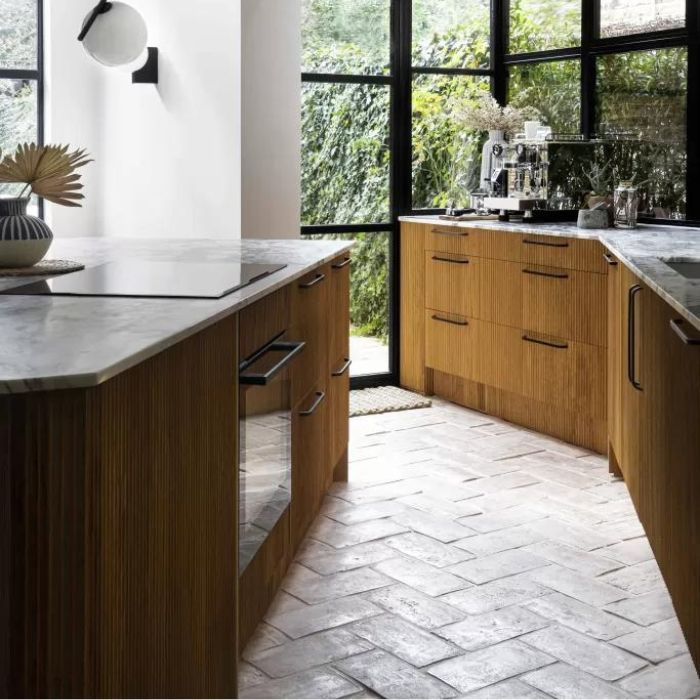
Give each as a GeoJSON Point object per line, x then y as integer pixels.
{"type": "Point", "coordinates": [117, 37]}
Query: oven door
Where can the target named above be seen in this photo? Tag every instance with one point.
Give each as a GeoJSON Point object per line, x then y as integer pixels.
{"type": "Point", "coordinates": [266, 442]}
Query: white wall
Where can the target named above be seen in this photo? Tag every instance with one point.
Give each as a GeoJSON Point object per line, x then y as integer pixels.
{"type": "Point", "coordinates": [168, 157]}
{"type": "Point", "coordinates": [271, 143]}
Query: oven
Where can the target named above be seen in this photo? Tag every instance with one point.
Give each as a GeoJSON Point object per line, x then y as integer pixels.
{"type": "Point", "coordinates": [265, 442]}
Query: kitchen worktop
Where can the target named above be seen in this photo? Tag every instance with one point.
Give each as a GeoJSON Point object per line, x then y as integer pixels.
{"type": "Point", "coordinates": [51, 343]}
{"type": "Point", "coordinates": [643, 250]}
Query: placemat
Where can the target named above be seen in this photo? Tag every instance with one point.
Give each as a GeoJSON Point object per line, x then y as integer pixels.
{"type": "Point", "coordinates": [45, 267]}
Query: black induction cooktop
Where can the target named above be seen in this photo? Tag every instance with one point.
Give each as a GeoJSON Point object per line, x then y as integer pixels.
{"type": "Point", "coordinates": [175, 280]}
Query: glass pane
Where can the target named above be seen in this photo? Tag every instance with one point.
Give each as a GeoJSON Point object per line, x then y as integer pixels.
{"type": "Point", "coordinates": [620, 17]}
{"type": "Point", "coordinates": [369, 300]}
{"type": "Point", "coordinates": [18, 34]}
{"type": "Point", "coordinates": [538, 25]}
{"type": "Point", "coordinates": [554, 88]}
{"type": "Point", "coordinates": [345, 153]}
{"type": "Point", "coordinates": [18, 119]}
{"type": "Point", "coordinates": [451, 33]}
{"type": "Point", "coordinates": [346, 36]}
{"type": "Point", "coordinates": [642, 101]}
{"type": "Point", "coordinates": [446, 156]}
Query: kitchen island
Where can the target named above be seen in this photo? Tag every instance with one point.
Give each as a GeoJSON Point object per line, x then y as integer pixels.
{"type": "Point", "coordinates": [119, 476]}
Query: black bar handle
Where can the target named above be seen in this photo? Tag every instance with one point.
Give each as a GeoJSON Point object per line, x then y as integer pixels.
{"type": "Point", "coordinates": [341, 265]}
{"type": "Point", "coordinates": [610, 260]}
{"type": "Point", "coordinates": [449, 320]}
{"type": "Point", "coordinates": [548, 343]}
{"type": "Point", "coordinates": [340, 372]}
{"type": "Point", "coordinates": [437, 258]}
{"type": "Point", "coordinates": [677, 325]}
{"type": "Point", "coordinates": [546, 244]}
{"type": "Point", "coordinates": [257, 379]}
{"type": "Point", "coordinates": [320, 277]}
{"type": "Point", "coordinates": [553, 275]}
{"type": "Point", "coordinates": [632, 337]}
{"type": "Point", "coordinates": [442, 232]}
{"type": "Point", "coordinates": [320, 398]}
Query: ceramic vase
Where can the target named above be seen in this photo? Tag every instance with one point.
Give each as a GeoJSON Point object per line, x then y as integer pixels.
{"type": "Point", "coordinates": [495, 137]}
{"type": "Point", "coordinates": [24, 239]}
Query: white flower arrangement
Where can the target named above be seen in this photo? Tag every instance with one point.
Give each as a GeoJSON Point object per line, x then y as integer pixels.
{"type": "Point", "coordinates": [485, 114]}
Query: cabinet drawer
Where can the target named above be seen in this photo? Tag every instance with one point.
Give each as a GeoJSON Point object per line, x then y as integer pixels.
{"type": "Point", "coordinates": [501, 292]}
{"type": "Point", "coordinates": [450, 239]}
{"type": "Point", "coordinates": [263, 321]}
{"type": "Point", "coordinates": [452, 283]}
{"type": "Point", "coordinates": [565, 303]}
{"type": "Point", "coordinates": [569, 253]}
{"type": "Point", "coordinates": [451, 344]}
{"type": "Point", "coordinates": [498, 245]}
{"type": "Point", "coordinates": [565, 373]}
{"type": "Point", "coordinates": [338, 415]}
{"type": "Point", "coordinates": [500, 361]}
{"type": "Point", "coordinates": [339, 308]}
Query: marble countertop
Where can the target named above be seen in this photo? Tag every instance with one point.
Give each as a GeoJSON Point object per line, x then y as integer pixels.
{"type": "Point", "coordinates": [49, 343]}
{"type": "Point", "coordinates": [644, 250]}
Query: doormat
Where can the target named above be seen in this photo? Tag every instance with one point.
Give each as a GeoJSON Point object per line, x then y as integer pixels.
{"type": "Point", "coordinates": [385, 399]}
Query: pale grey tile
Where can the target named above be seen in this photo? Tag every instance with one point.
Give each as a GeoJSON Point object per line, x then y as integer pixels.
{"type": "Point", "coordinates": [640, 578]}
{"type": "Point", "coordinates": [315, 683]}
{"type": "Point", "coordinates": [502, 447]}
{"type": "Point", "coordinates": [567, 512]}
{"type": "Point", "coordinates": [427, 549]}
{"type": "Point", "coordinates": [421, 576]}
{"type": "Point", "coordinates": [676, 678]}
{"type": "Point", "coordinates": [498, 594]}
{"type": "Point", "coordinates": [350, 558]}
{"type": "Point", "coordinates": [393, 678]}
{"type": "Point", "coordinates": [249, 676]}
{"type": "Point", "coordinates": [502, 519]}
{"type": "Point", "coordinates": [500, 541]}
{"type": "Point", "coordinates": [420, 609]}
{"type": "Point", "coordinates": [441, 506]}
{"type": "Point", "coordinates": [485, 667]}
{"type": "Point", "coordinates": [544, 470]}
{"type": "Point", "coordinates": [573, 535]}
{"type": "Point", "coordinates": [265, 637]}
{"type": "Point", "coordinates": [495, 566]}
{"type": "Point", "coordinates": [439, 528]}
{"type": "Point", "coordinates": [595, 657]}
{"type": "Point", "coordinates": [338, 585]}
{"type": "Point", "coordinates": [645, 609]}
{"type": "Point", "coordinates": [351, 515]}
{"type": "Point", "coordinates": [513, 688]}
{"type": "Point", "coordinates": [563, 681]}
{"type": "Point", "coordinates": [512, 480]}
{"type": "Point", "coordinates": [312, 548]}
{"type": "Point", "coordinates": [480, 631]}
{"type": "Point", "coordinates": [589, 563]}
{"type": "Point", "coordinates": [338, 535]}
{"type": "Point", "coordinates": [630, 551]}
{"type": "Point", "coordinates": [627, 529]}
{"type": "Point", "coordinates": [283, 602]}
{"type": "Point", "coordinates": [659, 642]}
{"type": "Point", "coordinates": [383, 492]}
{"type": "Point", "coordinates": [576, 585]}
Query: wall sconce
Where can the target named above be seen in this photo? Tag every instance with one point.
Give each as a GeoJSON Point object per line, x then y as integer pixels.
{"type": "Point", "coordinates": [115, 34]}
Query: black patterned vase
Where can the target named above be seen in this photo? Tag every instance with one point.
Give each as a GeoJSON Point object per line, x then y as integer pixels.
{"type": "Point", "coordinates": [24, 239]}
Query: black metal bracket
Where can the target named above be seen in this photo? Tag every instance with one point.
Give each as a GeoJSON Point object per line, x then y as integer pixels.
{"type": "Point", "coordinates": [149, 72]}
{"type": "Point", "coordinates": [99, 9]}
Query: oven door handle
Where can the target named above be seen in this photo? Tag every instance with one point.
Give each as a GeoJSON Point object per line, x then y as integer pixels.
{"type": "Point", "coordinates": [256, 379]}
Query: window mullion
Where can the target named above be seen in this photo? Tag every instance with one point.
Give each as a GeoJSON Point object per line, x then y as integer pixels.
{"type": "Point", "coordinates": [589, 31]}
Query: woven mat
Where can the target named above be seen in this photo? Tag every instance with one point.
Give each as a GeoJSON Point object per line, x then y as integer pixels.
{"type": "Point", "coordinates": [45, 267]}
{"type": "Point", "coordinates": [386, 399]}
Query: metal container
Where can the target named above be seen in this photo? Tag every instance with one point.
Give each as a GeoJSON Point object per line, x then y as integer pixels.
{"type": "Point", "coordinates": [626, 205]}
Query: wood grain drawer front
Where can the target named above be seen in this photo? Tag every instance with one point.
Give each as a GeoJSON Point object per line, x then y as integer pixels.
{"type": "Point", "coordinates": [500, 361]}
{"type": "Point", "coordinates": [565, 373]}
{"type": "Point", "coordinates": [501, 292]}
{"type": "Point", "coordinates": [452, 283]}
{"type": "Point", "coordinates": [569, 253]}
{"type": "Point", "coordinates": [498, 245]}
{"type": "Point", "coordinates": [565, 303]}
{"type": "Point", "coordinates": [264, 320]}
{"type": "Point", "coordinates": [450, 239]}
{"type": "Point", "coordinates": [339, 307]}
{"type": "Point", "coordinates": [451, 344]}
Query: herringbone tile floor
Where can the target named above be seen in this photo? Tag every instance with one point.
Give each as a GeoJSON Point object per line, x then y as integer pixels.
{"type": "Point", "coordinates": [468, 557]}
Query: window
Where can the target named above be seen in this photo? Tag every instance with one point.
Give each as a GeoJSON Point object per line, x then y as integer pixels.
{"type": "Point", "coordinates": [20, 76]}
{"type": "Point", "coordinates": [621, 17]}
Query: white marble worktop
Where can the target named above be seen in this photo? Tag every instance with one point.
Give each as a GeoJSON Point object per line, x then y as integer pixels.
{"type": "Point", "coordinates": [49, 343]}
{"type": "Point", "coordinates": [644, 250]}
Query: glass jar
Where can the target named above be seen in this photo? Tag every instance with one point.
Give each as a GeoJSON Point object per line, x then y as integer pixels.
{"type": "Point", "coordinates": [626, 205]}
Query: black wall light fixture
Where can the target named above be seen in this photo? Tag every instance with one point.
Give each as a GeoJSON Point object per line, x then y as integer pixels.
{"type": "Point", "coordinates": [115, 34]}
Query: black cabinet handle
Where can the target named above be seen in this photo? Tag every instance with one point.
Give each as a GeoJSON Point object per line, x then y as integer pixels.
{"type": "Point", "coordinates": [341, 265]}
{"type": "Point", "coordinates": [340, 372]}
{"type": "Point", "coordinates": [263, 379]}
{"type": "Point", "coordinates": [545, 244]}
{"type": "Point", "coordinates": [677, 325]}
{"type": "Point", "coordinates": [632, 337]}
{"type": "Point", "coordinates": [610, 260]}
{"type": "Point", "coordinates": [553, 275]}
{"type": "Point", "coordinates": [320, 277]}
{"type": "Point", "coordinates": [320, 398]}
{"type": "Point", "coordinates": [450, 321]}
{"type": "Point", "coordinates": [548, 343]}
{"type": "Point", "coordinates": [461, 234]}
{"type": "Point", "coordinates": [437, 258]}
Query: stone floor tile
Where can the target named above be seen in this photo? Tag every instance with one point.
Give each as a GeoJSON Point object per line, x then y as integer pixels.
{"type": "Point", "coordinates": [592, 656]}
{"type": "Point", "coordinates": [249, 676]}
{"type": "Point", "coordinates": [495, 566]}
{"type": "Point", "coordinates": [315, 683]}
{"type": "Point", "coordinates": [485, 667]}
{"type": "Point", "coordinates": [510, 498]}
{"type": "Point", "coordinates": [676, 678]}
{"type": "Point", "coordinates": [443, 529]}
{"type": "Point", "coordinates": [640, 578]}
{"type": "Point", "coordinates": [338, 535]}
{"type": "Point", "coordinates": [657, 643]}
{"type": "Point", "coordinates": [351, 515]}
{"type": "Point", "coordinates": [581, 617]}
{"type": "Point", "coordinates": [630, 552]}
{"type": "Point", "coordinates": [349, 558]}
{"type": "Point", "coordinates": [416, 607]}
{"type": "Point", "coordinates": [563, 681]}
{"type": "Point", "coordinates": [626, 529]}
{"type": "Point", "coordinates": [338, 585]}
{"type": "Point", "coordinates": [484, 468]}
{"type": "Point", "coordinates": [498, 594]}
{"type": "Point", "coordinates": [440, 506]}
{"type": "Point", "coordinates": [404, 639]}
{"type": "Point", "coordinates": [393, 678]}
{"type": "Point", "coordinates": [567, 512]}
{"type": "Point", "coordinates": [313, 548]}
{"type": "Point", "coordinates": [612, 490]}
{"type": "Point", "coordinates": [551, 444]}
{"type": "Point", "coordinates": [502, 519]}
{"type": "Point", "coordinates": [589, 563]}
{"type": "Point", "coordinates": [382, 492]}
{"type": "Point", "coordinates": [575, 585]}
{"type": "Point", "coordinates": [324, 616]}
{"type": "Point", "coordinates": [305, 653]}
{"type": "Point", "coordinates": [500, 541]}
{"type": "Point", "coordinates": [480, 631]}
{"type": "Point", "coordinates": [513, 688]}
{"type": "Point", "coordinates": [578, 536]}
{"type": "Point", "coordinates": [544, 470]}
{"type": "Point", "coordinates": [427, 549]}
{"type": "Point", "coordinates": [440, 488]}
{"type": "Point", "coordinates": [617, 510]}
{"type": "Point", "coordinates": [362, 694]}
{"type": "Point", "coordinates": [421, 576]}
{"type": "Point", "coordinates": [645, 609]}
{"type": "Point", "coordinates": [283, 602]}
{"type": "Point", "coordinates": [512, 480]}
{"type": "Point", "coordinates": [265, 637]}
{"type": "Point", "coordinates": [498, 447]}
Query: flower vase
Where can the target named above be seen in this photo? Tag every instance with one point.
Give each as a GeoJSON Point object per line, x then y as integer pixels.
{"type": "Point", "coordinates": [495, 138]}
{"type": "Point", "coordinates": [24, 239]}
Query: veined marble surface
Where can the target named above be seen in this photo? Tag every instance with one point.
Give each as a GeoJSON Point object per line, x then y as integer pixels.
{"type": "Point", "coordinates": [644, 250]}
{"type": "Point", "coordinates": [49, 343]}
